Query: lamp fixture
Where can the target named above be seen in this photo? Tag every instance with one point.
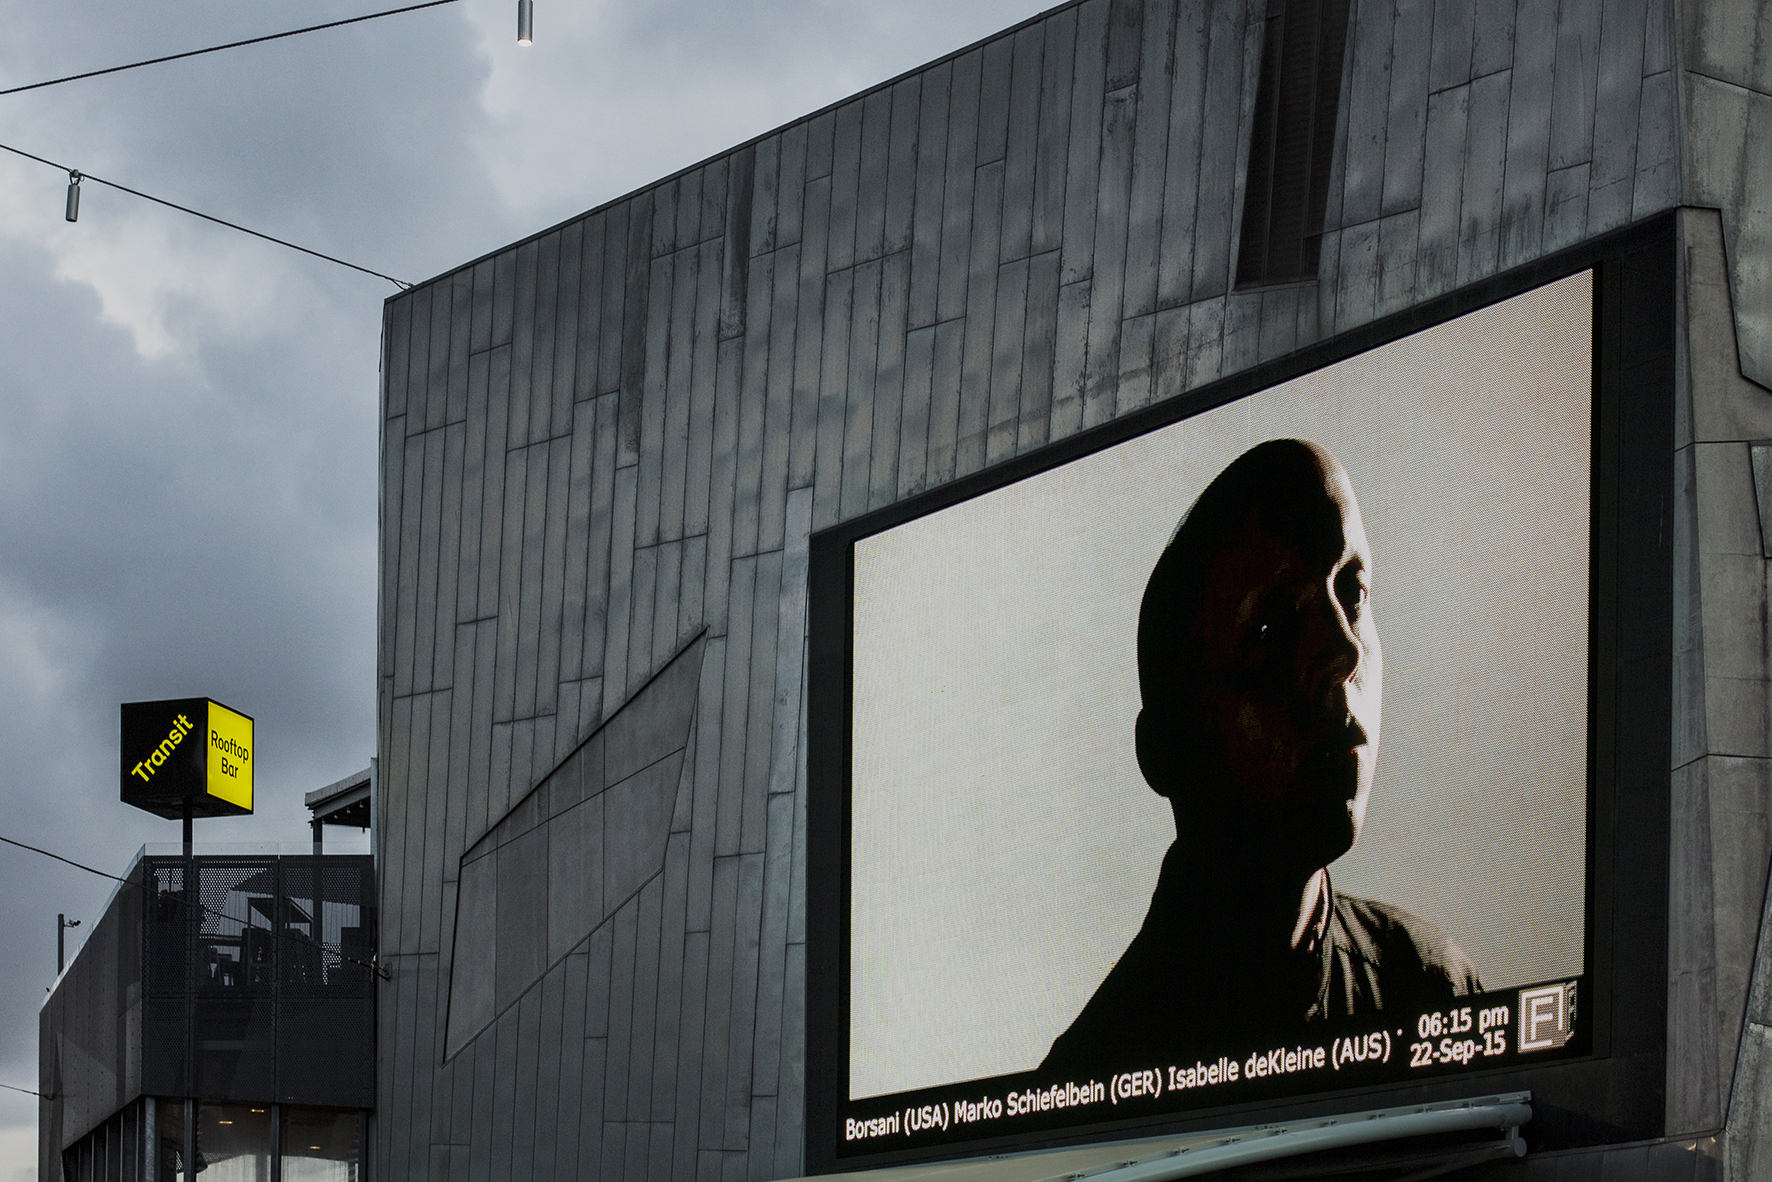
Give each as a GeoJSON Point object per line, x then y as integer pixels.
{"type": "Point", "coordinates": [525, 22]}
{"type": "Point", "coordinates": [62, 922]}
{"type": "Point", "coordinates": [73, 209]}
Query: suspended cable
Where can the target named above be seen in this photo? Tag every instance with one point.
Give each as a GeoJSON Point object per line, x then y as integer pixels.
{"type": "Point", "coordinates": [76, 865]}
{"type": "Point", "coordinates": [281, 933]}
{"type": "Point", "coordinates": [173, 57]}
{"type": "Point", "coordinates": [26, 1091]}
{"type": "Point", "coordinates": [73, 205]}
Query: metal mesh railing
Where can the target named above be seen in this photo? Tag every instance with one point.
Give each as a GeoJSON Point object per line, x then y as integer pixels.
{"type": "Point", "coordinates": [254, 923]}
{"type": "Point", "coordinates": [261, 969]}
{"type": "Point", "coordinates": [237, 927]}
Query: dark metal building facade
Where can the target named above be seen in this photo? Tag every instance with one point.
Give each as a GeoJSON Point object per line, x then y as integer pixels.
{"type": "Point", "coordinates": [604, 449]}
{"type": "Point", "coordinates": [228, 982]}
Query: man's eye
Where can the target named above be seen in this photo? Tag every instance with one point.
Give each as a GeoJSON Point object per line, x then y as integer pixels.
{"type": "Point", "coordinates": [1270, 629]}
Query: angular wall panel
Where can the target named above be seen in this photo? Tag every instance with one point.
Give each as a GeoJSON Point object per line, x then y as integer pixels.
{"type": "Point", "coordinates": [571, 852]}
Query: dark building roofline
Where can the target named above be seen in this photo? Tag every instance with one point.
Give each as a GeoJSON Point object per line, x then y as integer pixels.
{"type": "Point", "coordinates": [922, 68]}
{"type": "Point", "coordinates": [340, 802]}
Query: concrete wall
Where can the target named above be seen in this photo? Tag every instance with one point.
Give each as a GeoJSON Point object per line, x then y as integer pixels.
{"type": "Point", "coordinates": [605, 440]}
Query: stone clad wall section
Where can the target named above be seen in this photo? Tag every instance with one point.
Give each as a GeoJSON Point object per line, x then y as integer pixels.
{"type": "Point", "coordinates": [1726, 55]}
{"type": "Point", "coordinates": [605, 439]}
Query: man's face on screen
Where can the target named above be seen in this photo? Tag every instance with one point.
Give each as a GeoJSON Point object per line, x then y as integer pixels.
{"type": "Point", "coordinates": [1290, 676]}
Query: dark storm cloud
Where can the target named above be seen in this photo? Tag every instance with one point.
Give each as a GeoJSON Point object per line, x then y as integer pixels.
{"type": "Point", "coordinates": [188, 417]}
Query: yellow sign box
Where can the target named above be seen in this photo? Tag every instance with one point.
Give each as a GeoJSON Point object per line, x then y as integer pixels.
{"type": "Point", "coordinates": [187, 750]}
{"type": "Point", "coordinates": [230, 756]}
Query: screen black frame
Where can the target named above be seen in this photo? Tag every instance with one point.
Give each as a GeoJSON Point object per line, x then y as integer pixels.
{"type": "Point", "coordinates": [1616, 1093]}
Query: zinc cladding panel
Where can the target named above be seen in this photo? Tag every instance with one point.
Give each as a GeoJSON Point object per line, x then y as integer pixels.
{"type": "Point", "coordinates": [1031, 236]}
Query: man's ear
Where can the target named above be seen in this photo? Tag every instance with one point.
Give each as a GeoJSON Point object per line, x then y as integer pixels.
{"type": "Point", "coordinates": [1157, 752]}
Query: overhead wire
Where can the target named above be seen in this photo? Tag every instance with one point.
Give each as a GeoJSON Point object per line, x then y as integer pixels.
{"type": "Point", "coordinates": [173, 57]}
{"type": "Point", "coordinates": [400, 283]}
{"type": "Point", "coordinates": [87, 176]}
{"type": "Point", "coordinates": [281, 933]}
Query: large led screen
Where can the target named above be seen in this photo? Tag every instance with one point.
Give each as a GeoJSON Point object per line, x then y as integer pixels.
{"type": "Point", "coordinates": [1245, 758]}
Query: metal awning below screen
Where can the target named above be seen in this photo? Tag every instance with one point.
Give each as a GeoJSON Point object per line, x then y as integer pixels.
{"type": "Point", "coordinates": [1404, 1144]}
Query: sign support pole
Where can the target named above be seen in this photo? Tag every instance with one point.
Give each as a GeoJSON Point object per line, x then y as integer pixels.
{"type": "Point", "coordinates": [187, 819]}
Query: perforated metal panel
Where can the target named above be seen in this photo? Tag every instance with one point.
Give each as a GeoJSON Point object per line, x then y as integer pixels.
{"type": "Point", "coordinates": [325, 1032]}
{"type": "Point", "coordinates": [320, 1051]}
{"type": "Point", "coordinates": [165, 1046]}
{"type": "Point", "coordinates": [236, 946]}
{"type": "Point", "coordinates": [328, 929]}
{"type": "Point", "coordinates": [227, 979]}
{"type": "Point", "coordinates": [164, 930]}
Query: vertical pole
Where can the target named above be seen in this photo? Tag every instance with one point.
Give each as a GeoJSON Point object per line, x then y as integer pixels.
{"type": "Point", "coordinates": [187, 827]}
{"type": "Point", "coordinates": [61, 942]}
{"type": "Point", "coordinates": [276, 1143]}
{"type": "Point", "coordinates": [318, 826]}
{"type": "Point", "coordinates": [374, 806]}
{"type": "Point", "coordinates": [150, 1171]}
{"type": "Point", "coordinates": [190, 1141]}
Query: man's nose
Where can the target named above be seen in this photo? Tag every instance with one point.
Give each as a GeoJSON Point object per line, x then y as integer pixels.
{"type": "Point", "coordinates": [1332, 647]}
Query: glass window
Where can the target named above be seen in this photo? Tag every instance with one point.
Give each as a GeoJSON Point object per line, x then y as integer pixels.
{"type": "Point", "coordinates": [234, 1142]}
{"type": "Point", "coordinates": [169, 1140]}
{"type": "Point", "coordinates": [320, 1144]}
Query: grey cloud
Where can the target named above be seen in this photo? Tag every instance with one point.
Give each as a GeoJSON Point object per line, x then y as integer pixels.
{"type": "Point", "coordinates": [203, 520]}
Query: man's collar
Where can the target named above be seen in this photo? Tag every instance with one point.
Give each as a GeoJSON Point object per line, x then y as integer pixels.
{"type": "Point", "coordinates": [1318, 927]}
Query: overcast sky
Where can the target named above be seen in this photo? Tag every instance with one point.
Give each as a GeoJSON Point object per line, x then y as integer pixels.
{"type": "Point", "coordinates": [188, 415]}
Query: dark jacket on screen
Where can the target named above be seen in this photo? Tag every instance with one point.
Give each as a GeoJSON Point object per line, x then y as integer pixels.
{"type": "Point", "coordinates": [1183, 991]}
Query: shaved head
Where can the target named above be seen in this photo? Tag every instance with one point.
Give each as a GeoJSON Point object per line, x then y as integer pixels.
{"type": "Point", "coordinates": [1259, 663]}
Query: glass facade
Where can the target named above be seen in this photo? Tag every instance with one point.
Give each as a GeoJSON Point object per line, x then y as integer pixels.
{"type": "Point", "coordinates": [234, 1142]}
{"type": "Point", "coordinates": [321, 1144]}
{"type": "Point", "coordinates": [168, 1131]}
{"type": "Point", "coordinates": [145, 1142]}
